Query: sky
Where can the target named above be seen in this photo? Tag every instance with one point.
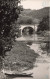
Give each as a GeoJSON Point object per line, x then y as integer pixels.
{"type": "Point", "coordinates": [35, 4]}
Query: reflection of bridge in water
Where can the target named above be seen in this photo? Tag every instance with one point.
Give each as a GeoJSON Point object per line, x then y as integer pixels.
{"type": "Point", "coordinates": [22, 27]}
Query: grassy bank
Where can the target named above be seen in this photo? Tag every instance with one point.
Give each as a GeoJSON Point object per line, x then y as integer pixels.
{"type": "Point", "coordinates": [20, 57]}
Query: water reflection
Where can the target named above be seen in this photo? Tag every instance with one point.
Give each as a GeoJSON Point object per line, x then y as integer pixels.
{"type": "Point", "coordinates": [33, 37]}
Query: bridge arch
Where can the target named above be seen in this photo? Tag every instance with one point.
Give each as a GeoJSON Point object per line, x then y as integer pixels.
{"type": "Point", "coordinates": [33, 27]}
{"type": "Point", "coordinates": [27, 31]}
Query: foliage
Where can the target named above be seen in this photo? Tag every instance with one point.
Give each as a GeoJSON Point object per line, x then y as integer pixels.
{"type": "Point", "coordinates": [9, 12]}
{"type": "Point", "coordinates": [25, 20]}
{"type": "Point", "coordinates": [20, 57]}
{"type": "Point", "coordinates": [44, 24]}
{"type": "Point", "coordinates": [35, 15]}
{"type": "Point", "coordinates": [29, 21]}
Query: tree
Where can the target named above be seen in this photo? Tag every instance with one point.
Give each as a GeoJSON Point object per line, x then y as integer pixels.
{"type": "Point", "coordinates": [9, 12]}
{"type": "Point", "coordinates": [44, 24]}
{"type": "Point", "coordinates": [29, 21]}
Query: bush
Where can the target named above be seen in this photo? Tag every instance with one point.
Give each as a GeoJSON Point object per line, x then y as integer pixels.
{"type": "Point", "coordinates": [9, 12]}
{"type": "Point", "coordinates": [44, 24]}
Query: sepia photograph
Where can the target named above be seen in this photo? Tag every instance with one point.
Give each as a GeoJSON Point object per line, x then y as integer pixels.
{"type": "Point", "coordinates": [24, 39]}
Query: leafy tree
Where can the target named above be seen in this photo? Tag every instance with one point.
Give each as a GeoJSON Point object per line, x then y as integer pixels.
{"type": "Point", "coordinates": [29, 21]}
{"type": "Point", "coordinates": [9, 12]}
{"type": "Point", "coordinates": [44, 24]}
{"type": "Point", "coordinates": [23, 19]}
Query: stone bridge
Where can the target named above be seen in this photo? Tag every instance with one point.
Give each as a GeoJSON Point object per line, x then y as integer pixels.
{"type": "Point", "coordinates": [33, 27]}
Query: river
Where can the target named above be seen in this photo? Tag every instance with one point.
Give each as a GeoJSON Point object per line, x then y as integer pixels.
{"type": "Point", "coordinates": [42, 64]}
{"type": "Point", "coordinates": [41, 70]}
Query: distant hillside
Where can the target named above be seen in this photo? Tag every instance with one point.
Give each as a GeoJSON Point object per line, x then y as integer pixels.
{"type": "Point", "coordinates": [35, 15]}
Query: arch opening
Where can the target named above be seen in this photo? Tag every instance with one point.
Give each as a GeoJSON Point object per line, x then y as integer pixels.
{"type": "Point", "coordinates": [27, 31]}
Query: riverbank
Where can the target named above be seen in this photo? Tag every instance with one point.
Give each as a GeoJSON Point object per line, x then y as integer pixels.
{"type": "Point", "coordinates": [21, 57]}
{"type": "Point", "coordinates": [46, 35]}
